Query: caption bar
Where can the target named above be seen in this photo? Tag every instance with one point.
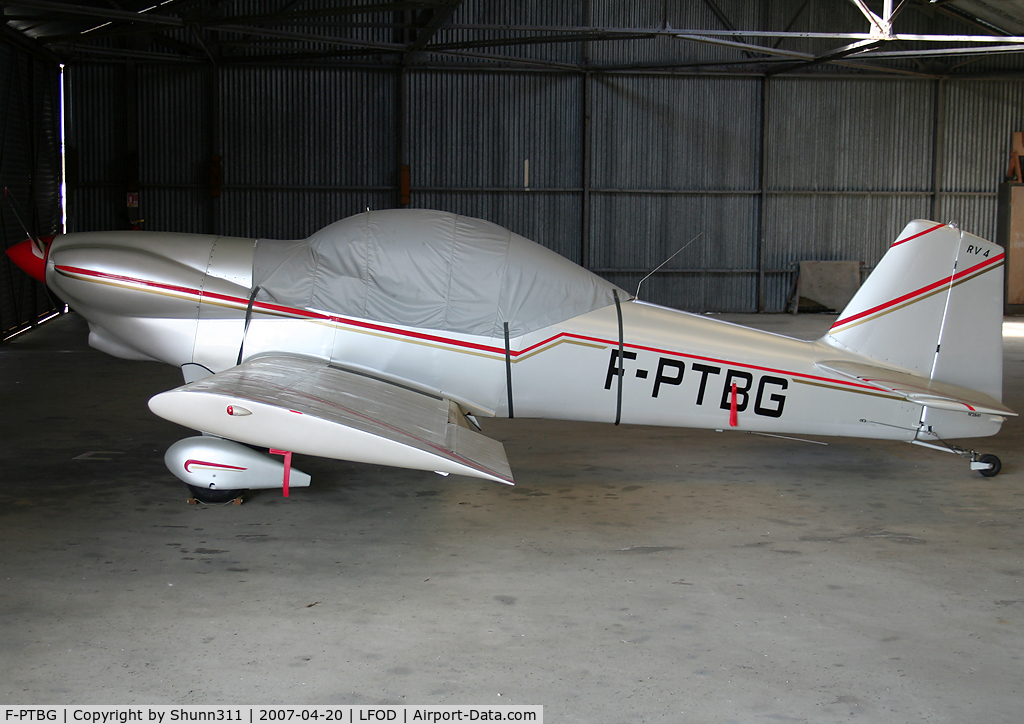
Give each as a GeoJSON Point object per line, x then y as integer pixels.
{"type": "Point", "coordinates": [166, 714]}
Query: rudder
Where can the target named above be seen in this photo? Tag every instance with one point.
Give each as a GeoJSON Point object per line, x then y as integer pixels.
{"type": "Point", "coordinates": [933, 307]}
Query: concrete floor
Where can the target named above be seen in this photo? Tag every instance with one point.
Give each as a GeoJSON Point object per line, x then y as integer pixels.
{"type": "Point", "coordinates": [633, 574]}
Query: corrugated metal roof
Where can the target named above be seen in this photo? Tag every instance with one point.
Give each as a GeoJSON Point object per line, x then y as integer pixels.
{"type": "Point", "coordinates": [724, 36]}
{"type": "Point", "coordinates": [1004, 15]}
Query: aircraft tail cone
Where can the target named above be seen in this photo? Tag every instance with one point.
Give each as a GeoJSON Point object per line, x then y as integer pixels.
{"type": "Point", "coordinates": [30, 258]}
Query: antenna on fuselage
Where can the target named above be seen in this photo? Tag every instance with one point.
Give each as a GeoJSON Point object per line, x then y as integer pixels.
{"type": "Point", "coordinates": [680, 251]}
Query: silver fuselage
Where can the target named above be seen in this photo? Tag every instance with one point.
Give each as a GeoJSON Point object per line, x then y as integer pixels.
{"type": "Point", "coordinates": [182, 299]}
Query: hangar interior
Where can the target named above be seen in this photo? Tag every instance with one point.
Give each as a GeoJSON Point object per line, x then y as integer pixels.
{"type": "Point", "coordinates": [633, 574]}
{"type": "Point", "coordinates": [595, 128]}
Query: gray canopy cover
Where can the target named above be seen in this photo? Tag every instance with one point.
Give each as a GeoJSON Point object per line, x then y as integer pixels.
{"type": "Point", "coordinates": [428, 269]}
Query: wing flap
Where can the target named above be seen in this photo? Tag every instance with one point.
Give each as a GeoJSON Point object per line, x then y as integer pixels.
{"type": "Point", "coordinates": [919, 390]}
{"type": "Point", "coordinates": [311, 407]}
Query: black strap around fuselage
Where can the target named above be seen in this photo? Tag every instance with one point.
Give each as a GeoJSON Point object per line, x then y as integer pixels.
{"type": "Point", "coordinates": [248, 318]}
{"type": "Point", "coordinates": [508, 373]}
{"type": "Point", "coordinates": [621, 370]}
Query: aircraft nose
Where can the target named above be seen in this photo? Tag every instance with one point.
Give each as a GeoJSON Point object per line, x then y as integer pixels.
{"type": "Point", "coordinates": [30, 258]}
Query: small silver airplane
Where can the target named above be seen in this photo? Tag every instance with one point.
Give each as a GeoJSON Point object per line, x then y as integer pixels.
{"type": "Point", "coordinates": [384, 336]}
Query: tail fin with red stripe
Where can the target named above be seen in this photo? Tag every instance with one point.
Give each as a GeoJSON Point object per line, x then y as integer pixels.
{"type": "Point", "coordinates": [933, 307]}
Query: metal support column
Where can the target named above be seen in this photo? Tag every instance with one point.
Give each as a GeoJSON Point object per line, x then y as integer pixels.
{"type": "Point", "coordinates": [585, 182]}
{"type": "Point", "coordinates": [938, 141]}
{"type": "Point", "coordinates": [763, 197]}
{"type": "Point", "coordinates": [131, 146]}
{"type": "Point", "coordinates": [214, 150]}
{"type": "Point", "coordinates": [585, 199]}
{"type": "Point", "coordinates": [402, 139]}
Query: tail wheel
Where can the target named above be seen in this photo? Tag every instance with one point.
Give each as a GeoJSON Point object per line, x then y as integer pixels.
{"type": "Point", "coordinates": [994, 465]}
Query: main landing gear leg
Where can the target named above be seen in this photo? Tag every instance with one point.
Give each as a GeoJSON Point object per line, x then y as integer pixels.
{"type": "Point", "coordinates": [986, 464]}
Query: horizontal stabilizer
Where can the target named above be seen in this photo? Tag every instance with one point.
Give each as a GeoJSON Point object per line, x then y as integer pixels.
{"type": "Point", "coordinates": [311, 407]}
{"type": "Point", "coordinates": [917, 389]}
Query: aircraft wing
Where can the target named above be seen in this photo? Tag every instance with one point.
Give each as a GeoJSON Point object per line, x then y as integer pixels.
{"type": "Point", "coordinates": [313, 407]}
{"type": "Point", "coordinates": [919, 389]}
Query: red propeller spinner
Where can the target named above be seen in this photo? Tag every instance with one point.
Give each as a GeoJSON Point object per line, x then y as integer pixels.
{"type": "Point", "coordinates": [30, 258]}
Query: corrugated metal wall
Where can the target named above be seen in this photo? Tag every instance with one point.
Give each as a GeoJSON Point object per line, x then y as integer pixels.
{"type": "Point", "coordinates": [674, 158]}
{"type": "Point", "coordinates": [172, 104]}
{"type": "Point", "coordinates": [974, 150]}
{"type": "Point", "coordinates": [502, 146]}
{"type": "Point", "coordinates": [615, 170]}
{"type": "Point", "coordinates": [847, 163]}
{"type": "Point", "coordinates": [303, 147]}
{"type": "Point", "coordinates": [30, 171]}
{"type": "Point", "coordinates": [96, 129]}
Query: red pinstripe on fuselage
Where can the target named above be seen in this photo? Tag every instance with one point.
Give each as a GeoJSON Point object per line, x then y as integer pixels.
{"type": "Point", "coordinates": [268, 308]}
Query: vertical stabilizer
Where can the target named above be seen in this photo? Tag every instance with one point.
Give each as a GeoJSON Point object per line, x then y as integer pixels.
{"type": "Point", "coordinates": [933, 306]}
